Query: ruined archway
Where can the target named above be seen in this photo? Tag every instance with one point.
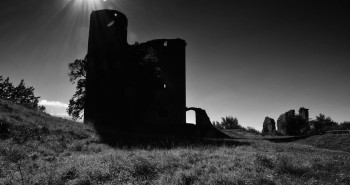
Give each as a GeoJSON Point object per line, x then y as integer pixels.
{"type": "Point", "coordinates": [191, 117]}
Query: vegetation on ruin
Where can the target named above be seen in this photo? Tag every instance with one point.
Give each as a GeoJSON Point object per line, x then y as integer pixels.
{"type": "Point", "coordinates": [36, 148]}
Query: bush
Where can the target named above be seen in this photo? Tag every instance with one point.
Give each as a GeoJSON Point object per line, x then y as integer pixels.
{"type": "Point", "coordinates": [20, 94]}
{"type": "Point", "coordinates": [322, 124]}
{"type": "Point", "coordinates": [252, 130]}
{"type": "Point", "coordinates": [228, 122]}
{"type": "Point", "coordinates": [344, 126]}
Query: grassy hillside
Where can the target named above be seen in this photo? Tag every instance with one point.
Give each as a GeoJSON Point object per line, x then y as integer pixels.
{"type": "Point", "coordinates": [36, 148]}
{"type": "Point", "coordinates": [329, 141]}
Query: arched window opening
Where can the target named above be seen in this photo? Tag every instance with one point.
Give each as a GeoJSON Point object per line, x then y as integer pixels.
{"type": "Point", "coordinates": [191, 117]}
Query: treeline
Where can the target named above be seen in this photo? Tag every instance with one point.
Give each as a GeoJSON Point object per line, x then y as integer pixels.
{"type": "Point", "coordinates": [323, 124]}
{"type": "Point", "coordinates": [20, 94]}
{"type": "Point", "coordinates": [230, 122]}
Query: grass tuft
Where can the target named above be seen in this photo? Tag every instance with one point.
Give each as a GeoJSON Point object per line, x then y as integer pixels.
{"type": "Point", "coordinates": [285, 165]}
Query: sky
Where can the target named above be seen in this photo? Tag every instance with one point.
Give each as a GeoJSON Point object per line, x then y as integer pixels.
{"type": "Point", "coordinates": [245, 58]}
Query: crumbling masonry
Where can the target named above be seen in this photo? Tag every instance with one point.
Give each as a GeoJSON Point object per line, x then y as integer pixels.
{"type": "Point", "coordinates": [140, 88]}
{"type": "Point", "coordinates": [291, 124]}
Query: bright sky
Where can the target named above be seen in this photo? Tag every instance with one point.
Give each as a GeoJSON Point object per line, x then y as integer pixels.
{"type": "Point", "coordinates": [247, 59]}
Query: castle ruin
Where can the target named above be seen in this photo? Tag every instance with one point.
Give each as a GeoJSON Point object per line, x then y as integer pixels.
{"type": "Point", "coordinates": [291, 124]}
{"type": "Point", "coordinates": [140, 88]}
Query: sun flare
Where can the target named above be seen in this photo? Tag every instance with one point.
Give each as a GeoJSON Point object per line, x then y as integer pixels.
{"type": "Point", "coordinates": [91, 4]}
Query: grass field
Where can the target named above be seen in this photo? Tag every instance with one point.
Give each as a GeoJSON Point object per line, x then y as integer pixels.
{"type": "Point", "coordinates": [36, 148]}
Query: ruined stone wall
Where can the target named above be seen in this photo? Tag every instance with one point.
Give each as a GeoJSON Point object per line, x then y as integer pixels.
{"type": "Point", "coordinates": [304, 113]}
{"type": "Point", "coordinates": [286, 121]}
{"type": "Point", "coordinates": [125, 89]}
{"type": "Point", "coordinates": [106, 57]}
{"type": "Point", "coordinates": [291, 124]}
{"type": "Point", "coordinates": [269, 126]}
{"type": "Point", "coordinates": [169, 93]}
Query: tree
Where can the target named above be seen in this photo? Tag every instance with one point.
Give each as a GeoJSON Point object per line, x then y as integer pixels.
{"type": "Point", "coordinates": [228, 122]}
{"type": "Point", "coordinates": [345, 125]}
{"type": "Point", "coordinates": [217, 125]}
{"type": "Point", "coordinates": [323, 124]}
{"type": "Point", "coordinates": [20, 94]}
{"type": "Point", "coordinates": [77, 74]}
{"type": "Point", "coordinates": [6, 88]}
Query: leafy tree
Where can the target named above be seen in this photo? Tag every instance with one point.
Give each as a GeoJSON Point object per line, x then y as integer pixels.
{"type": "Point", "coordinates": [252, 130]}
{"type": "Point", "coordinates": [345, 125]}
{"type": "Point", "coordinates": [6, 88]}
{"type": "Point", "coordinates": [217, 125]}
{"type": "Point", "coordinates": [323, 124]}
{"type": "Point", "coordinates": [20, 94]}
{"type": "Point", "coordinates": [228, 122]}
{"type": "Point", "coordinates": [77, 74]}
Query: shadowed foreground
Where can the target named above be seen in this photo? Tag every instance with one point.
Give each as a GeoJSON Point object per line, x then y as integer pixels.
{"type": "Point", "coordinates": [36, 148]}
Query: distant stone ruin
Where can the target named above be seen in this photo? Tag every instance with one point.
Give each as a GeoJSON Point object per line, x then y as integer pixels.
{"type": "Point", "coordinates": [291, 124]}
{"type": "Point", "coordinates": [269, 126]}
{"type": "Point", "coordinates": [138, 89]}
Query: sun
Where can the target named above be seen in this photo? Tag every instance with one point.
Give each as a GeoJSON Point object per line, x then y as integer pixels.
{"type": "Point", "coordinates": [91, 4]}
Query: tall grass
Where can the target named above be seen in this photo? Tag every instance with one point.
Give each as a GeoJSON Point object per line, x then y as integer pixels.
{"type": "Point", "coordinates": [58, 151]}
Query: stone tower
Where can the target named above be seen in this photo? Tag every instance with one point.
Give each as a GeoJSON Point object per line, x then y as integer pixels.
{"type": "Point", "coordinates": [125, 93]}
{"type": "Point", "coordinates": [304, 113]}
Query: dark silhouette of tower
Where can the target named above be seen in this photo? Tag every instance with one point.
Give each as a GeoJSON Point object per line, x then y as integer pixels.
{"type": "Point", "coordinates": [106, 57]}
{"type": "Point", "coordinates": [127, 92]}
{"type": "Point", "coordinates": [304, 113]}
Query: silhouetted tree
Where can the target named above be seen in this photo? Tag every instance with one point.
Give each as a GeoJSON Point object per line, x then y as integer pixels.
{"type": "Point", "coordinates": [6, 88]}
{"type": "Point", "coordinates": [77, 74]}
{"type": "Point", "coordinates": [323, 124]}
{"type": "Point", "coordinates": [20, 94]}
{"type": "Point", "coordinates": [217, 125]}
{"type": "Point", "coordinates": [344, 126]}
{"type": "Point", "coordinates": [228, 122]}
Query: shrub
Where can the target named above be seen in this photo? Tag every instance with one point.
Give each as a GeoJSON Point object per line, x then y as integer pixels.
{"type": "Point", "coordinates": [20, 94]}
{"type": "Point", "coordinates": [252, 130]}
{"type": "Point", "coordinates": [228, 122]}
{"type": "Point", "coordinates": [344, 126]}
{"type": "Point", "coordinates": [322, 124]}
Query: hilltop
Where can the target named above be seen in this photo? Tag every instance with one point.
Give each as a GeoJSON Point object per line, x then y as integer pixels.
{"type": "Point", "coordinates": [36, 148]}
